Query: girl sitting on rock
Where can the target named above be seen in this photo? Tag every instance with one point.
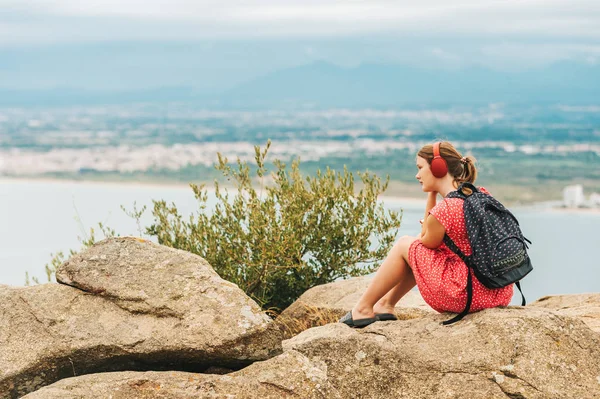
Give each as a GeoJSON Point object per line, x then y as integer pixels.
{"type": "Point", "coordinates": [425, 261]}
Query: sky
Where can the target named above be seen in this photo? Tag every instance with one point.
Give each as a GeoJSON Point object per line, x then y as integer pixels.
{"type": "Point", "coordinates": [43, 21]}
{"type": "Point", "coordinates": [218, 44]}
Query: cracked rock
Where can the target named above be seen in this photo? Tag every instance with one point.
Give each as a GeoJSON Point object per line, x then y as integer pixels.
{"type": "Point", "coordinates": [495, 353]}
{"type": "Point", "coordinates": [288, 375]}
{"type": "Point", "coordinates": [128, 304]}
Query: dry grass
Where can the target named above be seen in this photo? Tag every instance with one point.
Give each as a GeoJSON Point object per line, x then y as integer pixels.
{"type": "Point", "coordinates": [300, 317]}
{"type": "Point", "coordinates": [303, 317]}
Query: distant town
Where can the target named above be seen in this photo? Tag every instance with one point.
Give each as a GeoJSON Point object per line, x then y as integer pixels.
{"type": "Point", "coordinates": [128, 158]}
{"type": "Point", "coordinates": [574, 197]}
{"type": "Point", "coordinates": [526, 154]}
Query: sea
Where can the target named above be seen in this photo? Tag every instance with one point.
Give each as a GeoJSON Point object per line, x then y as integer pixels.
{"type": "Point", "coordinates": [41, 217]}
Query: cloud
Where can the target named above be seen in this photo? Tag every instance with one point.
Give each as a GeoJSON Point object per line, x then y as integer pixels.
{"type": "Point", "coordinates": [35, 21]}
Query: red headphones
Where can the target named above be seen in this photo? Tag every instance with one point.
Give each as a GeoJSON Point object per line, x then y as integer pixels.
{"type": "Point", "coordinates": [438, 166]}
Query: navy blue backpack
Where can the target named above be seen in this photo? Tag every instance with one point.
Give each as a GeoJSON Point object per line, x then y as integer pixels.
{"type": "Point", "coordinates": [499, 249]}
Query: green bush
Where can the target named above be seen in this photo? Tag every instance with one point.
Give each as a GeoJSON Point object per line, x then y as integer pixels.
{"type": "Point", "coordinates": [282, 233]}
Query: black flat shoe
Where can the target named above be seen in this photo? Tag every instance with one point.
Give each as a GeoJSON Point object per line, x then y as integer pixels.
{"type": "Point", "coordinates": [385, 316]}
{"type": "Point", "coordinates": [358, 323]}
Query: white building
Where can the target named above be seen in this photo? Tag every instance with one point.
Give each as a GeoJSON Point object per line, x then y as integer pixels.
{"type": "Point", "coordinates": [573, 196]}
{"type": "Point", "coordinates": [594, 200]}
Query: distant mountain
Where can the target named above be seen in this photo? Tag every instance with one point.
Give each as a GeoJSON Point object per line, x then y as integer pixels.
{"type": "Point", "coordinates": [384, 85]}
{"type": "Point", "coordinates": [326, 85]}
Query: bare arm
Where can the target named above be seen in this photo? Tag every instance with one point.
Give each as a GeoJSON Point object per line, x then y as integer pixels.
{"type": "Point", "coordinates": [431, 201]}
{"type": "Point", "coordinates": [432, 231]}
{"type": "Point", "coordinates": [434, 234]}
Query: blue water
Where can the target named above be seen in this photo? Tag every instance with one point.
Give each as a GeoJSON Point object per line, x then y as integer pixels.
{"type": "Point", "coordinates": [40, 218]}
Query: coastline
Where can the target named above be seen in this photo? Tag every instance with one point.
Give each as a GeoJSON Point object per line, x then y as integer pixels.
{"type": "Point", "coordinates": [105, 183]}
{"type": "Point", "coordinates": [158, 184]}
{"type": "Point", "coordinates": [413, 201]}
{"type": "Point", "coordinates": [392, 197]}
{"type": "Point", "coordinates": [398, 201]}
{"type": "Point", "coordinates": [586, 211]}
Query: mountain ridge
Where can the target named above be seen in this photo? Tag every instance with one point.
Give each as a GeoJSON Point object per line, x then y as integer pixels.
{"type": "Point", "coordinates": [323, 84]}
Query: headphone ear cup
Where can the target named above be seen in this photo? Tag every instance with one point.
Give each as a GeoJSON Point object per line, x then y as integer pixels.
{"type": "Point", "coordinates": [438, 167]}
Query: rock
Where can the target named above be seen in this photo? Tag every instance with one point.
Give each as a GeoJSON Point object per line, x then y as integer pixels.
{"type": "Point", "coordinates": [288, 375]}
{"type": "Point", "coordinates": [128, 304]}
{"type": "Point", "coordinates": [327, 303]}
{"type": "Point", "coordinates": [495, 353]}
{"type": "Point", "coordinates": [583, 306]}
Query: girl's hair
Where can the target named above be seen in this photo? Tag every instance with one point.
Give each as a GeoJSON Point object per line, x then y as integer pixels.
{"type": "Point", "coordinates": [461, 168]}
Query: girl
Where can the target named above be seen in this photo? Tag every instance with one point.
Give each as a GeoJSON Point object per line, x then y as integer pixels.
{"type": "Point", "coordinates": [425, 261]}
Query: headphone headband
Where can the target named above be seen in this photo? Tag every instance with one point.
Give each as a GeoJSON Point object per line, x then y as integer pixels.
{"type": "Point", "coordinates": [439, 167]}
{"type": "Point", "coordinates": [436, 149]}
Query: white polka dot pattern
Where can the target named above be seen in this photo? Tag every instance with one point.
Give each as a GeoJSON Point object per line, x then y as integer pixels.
{"type": "Point", "coordinates": [499, 252]}
{"type": "Point", "coordinates": [441, 275]}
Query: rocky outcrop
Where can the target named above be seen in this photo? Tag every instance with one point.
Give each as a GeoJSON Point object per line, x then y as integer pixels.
{"type": "Point", "coordinates": [326, 303]}
{"type": "Point", "coordinates": [128, 304]}
{"type": "Point", "coordinates": [169, 327]}
{"type": "Point", "coordinates": [583, 306]}
{"type": "Point", "coordinates": [526, 353]}
{"type": "Point", "coordinates": [496, 353]}
{"type": "Point", "coordinates": [288, 375]}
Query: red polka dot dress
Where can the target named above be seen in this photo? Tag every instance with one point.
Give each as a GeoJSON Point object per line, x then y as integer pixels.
{"type": "Point", "coordinates": [441, 275]}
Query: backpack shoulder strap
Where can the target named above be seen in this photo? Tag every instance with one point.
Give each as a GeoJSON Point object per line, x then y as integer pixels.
{"type": "Point", "coordinates": [523, 301]}
{"type": "Point", "coordinates": [458, 193]}
{"type": "Point", "coordinates": [465, 312]}
{"type": "Point", "coordinates": [454, 248]}
{"type": "Point", "coordinates": [468, 185]}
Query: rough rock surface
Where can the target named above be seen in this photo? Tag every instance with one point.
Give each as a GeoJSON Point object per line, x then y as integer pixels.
{"type": "Point", "coordinates": [327, 303]}
{"type": "Point", "coordinates": [495, 353]}
{"type": "Point", "coordinates": [288, 375]}
{"type": "Point", "coordinates": [343, 295]}
{"type": "Point", "coordinates": [128, 304]}
{"type": "Point", "coordinates": [583, 306]}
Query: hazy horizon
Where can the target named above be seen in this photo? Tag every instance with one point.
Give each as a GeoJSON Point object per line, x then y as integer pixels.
{"type": "Point", "coordinates": [215, 46]}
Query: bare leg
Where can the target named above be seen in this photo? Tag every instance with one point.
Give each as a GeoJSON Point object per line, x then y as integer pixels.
{"type": "Point", "coordinates": [393, 280]}
{"type": "Point", "coordinates": [387, 304]}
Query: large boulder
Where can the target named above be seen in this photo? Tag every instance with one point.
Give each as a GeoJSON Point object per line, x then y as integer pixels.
{"type": "Point", "coordinates": [128, 304]}
{"type": "Point", "coordinates": [495, 353]}
{"type": "Point", "coordinates": [583, 306]}
{"type": "Point", "coordinates": [288, 375]}
{"type": "Point", "coordinates": [326, 303]}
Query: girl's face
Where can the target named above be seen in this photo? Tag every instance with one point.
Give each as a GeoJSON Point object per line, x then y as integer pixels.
{"type": "Point", "coordinates": [424, 176]}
